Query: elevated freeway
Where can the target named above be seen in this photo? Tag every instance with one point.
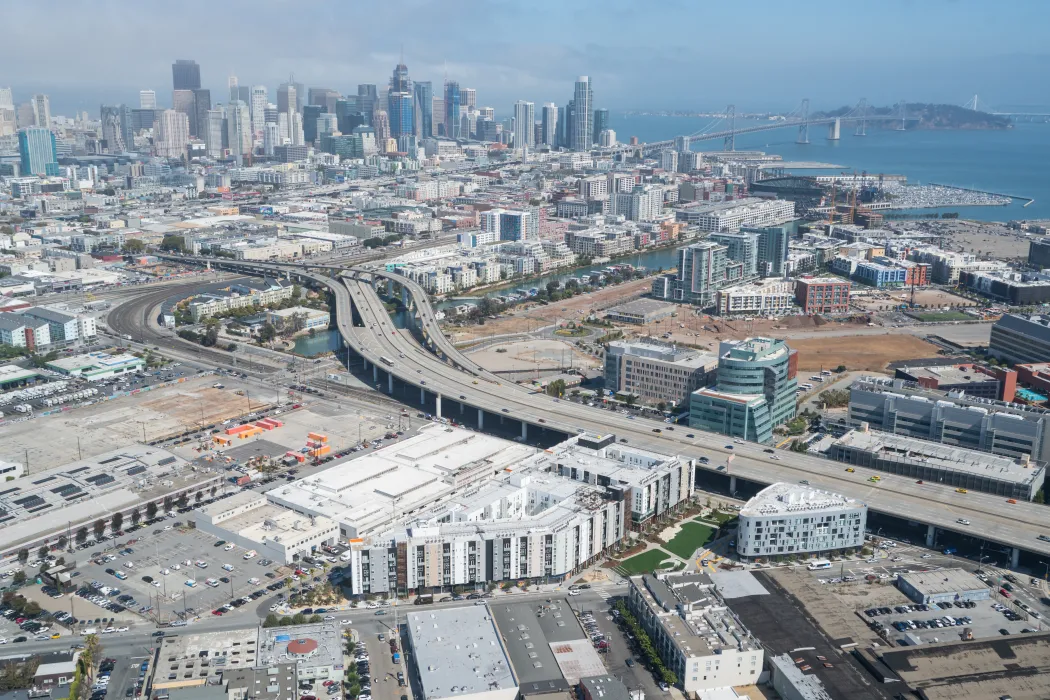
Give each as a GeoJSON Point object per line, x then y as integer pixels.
{"type": "Point", "coordinates": [450, 384]}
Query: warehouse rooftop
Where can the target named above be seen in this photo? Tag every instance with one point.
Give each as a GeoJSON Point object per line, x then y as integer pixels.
{"type": "Point", "coordinates": [942, 581]}
{"type": "Point", "coordinates": [458, 652]}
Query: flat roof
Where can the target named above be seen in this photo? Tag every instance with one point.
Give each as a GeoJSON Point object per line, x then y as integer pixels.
{"type": "Point", "coordinates": [1016, 666]}
{"type": "Point", "coordinates": [374, 490]}
{"type": "Point", "coordinates": [529, 629]}
{"type": "Point", "coordinates": [14, 373]}
{"type": "Point", "coordinates": [641, 306]}
{"type": "Point", "coordinates": [319, 643]}
{"type": "Point", "coordinates": [942, 581]}
{"type": "Point", "coordinates": [101, 360]}
{"type": "Point", "coordinates": [949, 374]}
{"type": "Point", "coordinates": [783, 498]}
{"type": "Point", "coordinates": [936, 455]}
{"type": "Point", "coordinates": [458, 652]}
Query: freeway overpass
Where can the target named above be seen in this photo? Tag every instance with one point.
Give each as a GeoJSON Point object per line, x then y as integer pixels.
{"type": "Point", "coordinates": [448, 383]}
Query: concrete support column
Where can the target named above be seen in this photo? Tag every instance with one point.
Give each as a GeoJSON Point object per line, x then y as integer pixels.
{"type": "Point", "coordinates": [524, 430]}
{"type": "Point", "coordinates": [481, 419]}
{"type": "Point", "coordinates": [462, 408]}
{"type": "Point", "coordinates": [422, 396]}
{"type": "Point", "coordinates": [375, 374]}
{"type": "Point", "coordinates": [437, 405]}
{"type": "Point", "coordinates": [931, 535]}
{"type": "Point", "coordinates": [364, 364]}
{"type": "Point", "coordinates": [732, 484]}
{"type": "Point", "coordinates": [1015, 557]}
{"type": "Point", "coordinates": [405, 297]}
{"type": "Point", "coordinates": [390, 383]}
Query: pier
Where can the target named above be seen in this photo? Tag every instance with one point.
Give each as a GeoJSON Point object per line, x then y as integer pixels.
{"type": "Point", "coordinates": [1026, 200]}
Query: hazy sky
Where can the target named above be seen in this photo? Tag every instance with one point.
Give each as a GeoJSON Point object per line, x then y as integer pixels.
{"type": "Point", "coordinates": [662, 53]}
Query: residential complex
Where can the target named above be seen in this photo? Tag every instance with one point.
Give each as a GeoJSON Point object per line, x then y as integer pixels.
{"type": "Point", "coordinates": [786, 520]}
{"type": "Point", "coordinates": [822, 295]}
{"type": "Point", "coordinates": [695, 632]}
{"type": "Point", "coordinates": [754, 391]}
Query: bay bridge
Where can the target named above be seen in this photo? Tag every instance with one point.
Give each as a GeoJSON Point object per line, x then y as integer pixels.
{"type": "Point", "coordinates": [799, 118]}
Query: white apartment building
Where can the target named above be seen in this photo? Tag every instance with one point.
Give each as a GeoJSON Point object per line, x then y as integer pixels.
{"type": "Point", "coordinates": [594, 187]}
{"type": "Point", "coordinates": [695, 632]}
{"type": "Point", "coordinates": [20, 331]}
{"type": "Point", "coordinates": [731, 215]}
{"type": "Point", "coordinates": [774, 297]}
{"type": "Point", "coordinates": [642, 203]}
{"type": "Point", "coordinates": [791, 519]}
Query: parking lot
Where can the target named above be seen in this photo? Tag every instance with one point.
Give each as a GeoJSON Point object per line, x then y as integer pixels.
{"type": "Point", "coordinates": [931, 623]}
{"type": "Point", "coordinates": [382, 671]}
{"type": "Point", "coordinates": [600, 625]}
{"type": "Point", "coordinates": [177, 569]}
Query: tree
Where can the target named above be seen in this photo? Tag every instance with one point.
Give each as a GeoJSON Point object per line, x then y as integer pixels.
{"type": "Point", "coordinates": [91, 653]}
{"type": "Point", "coordinates": [116, 522]}
{"type": "Point", "coordinates": [271, 621]}
{"type": "Point", "coordinates": [267, 333]}
{"type": "Point", "coordinates": [32, 609]}
{"type": "Point", "coordinates": [23, 555]}
{"type": "Point", "coordinates": [556, 388]}
{"type": "Point", "coordinates": [42, 552]}
{"type": "Point", "coordinates": [184, 500]}
{"type": "Point", "coordinates": [99, 528]}
{"type": "Point", "coordinates": [19, 578]}
{"type": "Point", "coordinates": [136, 516]}
{"type": "Point", "coordinates": [82, 534]}
{"type": "Point", "coordinates": [151, 511]}
{"type": "Point", "coordinates": [134, 246]}
{"type": "Point", "coordinates": [1039, 497]}
{"type": "Point", "coordinates": [63, 541]}
{"type": "Point", "coordinates": [631, 400]}
{"type": "Point", "coordinates": [173, 243]}
{"type": "Point", "coordinates": [232, 347]}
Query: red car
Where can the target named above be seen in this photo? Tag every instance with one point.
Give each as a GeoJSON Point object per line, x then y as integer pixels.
{"type": "Point", "coordinates": [328, 683]}
{"type": "Point", "coordinates": [217, 612]}
{"type": "Point", "coordinates": [1004, 593]}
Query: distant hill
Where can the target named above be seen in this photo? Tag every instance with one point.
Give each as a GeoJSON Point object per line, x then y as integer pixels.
{"type": "Point", "coordinates": [931, 116]}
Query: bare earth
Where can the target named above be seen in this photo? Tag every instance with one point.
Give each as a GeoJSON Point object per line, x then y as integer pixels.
{"type": "Point", "coordinates": [524, 355]}
{"type": "Point", "coordinates": [859, 352]}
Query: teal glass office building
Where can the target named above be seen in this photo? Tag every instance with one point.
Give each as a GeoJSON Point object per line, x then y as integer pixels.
{"type": "Point", "coordinates": [755, 391]}
{"type": "Point", "coordinates": [37, 149]}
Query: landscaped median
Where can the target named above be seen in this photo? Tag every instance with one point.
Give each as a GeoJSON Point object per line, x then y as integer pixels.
{"type": "Point", "coordinates": [646, 562]}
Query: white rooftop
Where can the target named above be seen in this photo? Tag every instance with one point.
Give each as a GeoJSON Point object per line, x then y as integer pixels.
{"type": "Point", "coordinates": [781, 498]}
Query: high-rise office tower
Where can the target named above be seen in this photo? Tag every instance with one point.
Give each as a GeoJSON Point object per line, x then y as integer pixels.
{"type": "Point", "coordinates": [424, 94]}
{"type": "Point", "coordinates": [469, 97]}
{"type": "Point", "coordinates": [401, 102]}
{"type": "Point", "coordinates": [382, 126]}
{"type": "Point", "coordinates": [295, 129]}
{"type": "Point", "coordinates": [348, 115]}
{"type": "Point", "coordinates": [201, 105]}
{"type": "Point", "coordinates": [282, 126]}
{"type": "Point", "coordinates": [487, 113]}
{"type": "Point", "coordinates": [147, 99]}
{"type": "Point", "coordinates": [239, 128]}
{"type": "Point", "coordinates": [367, 97]}
{"type": "Point", "coordinates": [566, 120]}
{"type": "Point", "coordinates": [524, 124]}
{"type": "Point", "coordinates": [213, 133]}
{"type": "Point", "coordinates": [287, 98]}
{"type": "Point", "coordinates": [7, 99]}
{"type": "Point", "coordinates": [42, 111]}
{"type": "Point", "coordinates": [116, 128]}
{"type": "Point", "coordinates": [601, 123]}
{"type": "Point", "coordinates": [681, 143]}
{"type": "Point", "coordinates": [270, 138]}
{"type": "Point", "coordinates": [37, 149]}
{"type": "Point", "coordinates": [311, 113]}
{"type": "Point", "coordinates": [257, 107]}
{"type": "Point", "coordinates": [549, 124]}
{"type": "Point", "coordinates": [324, 97]}
{"type": "Point", "coordinates": [270, 113]}
{"type": "Point", "coordinates": [185, 75]}
{"type": "Point", "coordinates": [234, 88]}
{"type": "Point", "coordinates": [183, 101]}
{"type": "Point", "coordinates": [171, 133]}
{"type": "Point", "coordinates": [452, 97]}
{"type": "Point", "coordinates": [399, 80]}
{"type": "Point", "coordinates": [582, 98]}
{"type": "Point", "coordinates": [8, 120]}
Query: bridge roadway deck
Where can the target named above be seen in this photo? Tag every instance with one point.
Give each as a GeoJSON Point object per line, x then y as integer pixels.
{"type": "Point", "coordinates": [1014, 525]}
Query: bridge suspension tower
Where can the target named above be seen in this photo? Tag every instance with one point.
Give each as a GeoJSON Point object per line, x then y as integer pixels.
{"type": "Point", "coordinates": [803, 128]}
{"type": "Point", "coordinates": [862, 112]}
{"type": "Point", "coordinates": [902, 109]}
{"type": "Point", "coordinates": [729, 143]}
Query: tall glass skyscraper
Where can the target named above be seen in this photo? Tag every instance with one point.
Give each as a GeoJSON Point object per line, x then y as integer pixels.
{"type": "Point", "coordinates": [524, 124]}
{"type": "Point", "coordinates": [452, 125]}
{"type": "Point", "coordinates": [601, 123]}
{"type": "Point", "coordinates": [549, 124]}
{"type": "Point", "coordinates": [401, 103]}
{"type": "Point", "coordinates": [185, 75]}
{"type": "Point", "coordinates": [37, 149]}
{"type": "Point", "coordinates": [582, 128]}
{"type": "Point", "coordinates": [424, 92]}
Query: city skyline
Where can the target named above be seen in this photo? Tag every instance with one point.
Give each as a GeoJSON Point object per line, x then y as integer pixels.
{"type": "Point", "coordinates": [967, 53]}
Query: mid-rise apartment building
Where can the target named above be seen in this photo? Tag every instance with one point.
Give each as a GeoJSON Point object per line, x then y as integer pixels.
{"type": "Point", "coordinates": [1018, 338]}
{"type": "Point", "coordinates": [823, 295]}
{"type": "Point", "coordinates": [764, 297]}
{"type": "Point", "coordinates": [785, 520]}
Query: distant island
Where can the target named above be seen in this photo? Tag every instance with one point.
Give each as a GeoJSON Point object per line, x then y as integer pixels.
{"type": "Point", "coordinates": [930, 117]}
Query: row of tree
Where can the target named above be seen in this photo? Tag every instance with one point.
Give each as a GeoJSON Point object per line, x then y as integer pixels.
{"type": "Point", "coordinates": [645, 644]}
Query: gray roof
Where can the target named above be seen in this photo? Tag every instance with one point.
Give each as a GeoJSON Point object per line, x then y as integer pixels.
{"type": "Point", "coordinates": [49, 315]}
{"type": "Point", "coordinates": [528, 629]}
{"type": "Point", "coordinates": [458, 652]}
{"type": "Point", "coordinates": [605, 687]}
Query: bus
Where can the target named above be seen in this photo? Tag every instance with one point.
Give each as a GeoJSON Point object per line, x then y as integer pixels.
{"type": "Point", "coordinates": [819, 564]}
{"type": "Point", "coordinates": [386, 361]}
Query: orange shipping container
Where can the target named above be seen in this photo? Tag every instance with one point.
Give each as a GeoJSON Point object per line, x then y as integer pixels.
{"type": "Point", "coordinates": [321, 451]}
{"type": "Point", "coordinates": [236, 429]}
{"type": "Point", "coordinates": [317, 436]}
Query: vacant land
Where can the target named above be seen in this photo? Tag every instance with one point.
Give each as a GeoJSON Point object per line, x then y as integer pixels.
{"type": "Point", "coordinates": [645, 562]}
{"type": "Point", "coordinates": [690, 538]}
{"type": "Point", "coordinates": [870, 353]}
{"type": "Point", "coordinates": [527, 355]}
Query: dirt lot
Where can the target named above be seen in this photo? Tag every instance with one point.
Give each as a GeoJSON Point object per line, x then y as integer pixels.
{"type": "Point", "coordinates": [859, 352]}
{"type": "Point", "coordinates": [532, 316]}
{"type": "Point", "coordinates": [924, 298]}
{"type": "Point", "coordinates": [987, 242]}
{"type": "Point", "coordinates": [533, 354]}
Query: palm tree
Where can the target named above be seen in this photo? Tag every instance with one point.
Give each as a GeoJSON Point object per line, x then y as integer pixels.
{"type": "Point", "coordinates": [91, 652]}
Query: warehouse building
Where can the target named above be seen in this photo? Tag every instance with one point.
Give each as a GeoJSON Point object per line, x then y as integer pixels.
{"type": "Point", "coordinates": [96, 366]}
{"type": "Point", "coordinates": [1016, 338]}
{"type": "Point", "coordinates": [939, 463]}
{"type": "Point", "coordinates": [942, 586]}
{"type": "Point", "coordinates": [694, 631]}
{"type": "Point", "coordinates": [459, 654]}
{"type": "Point", "coordinates": [641, 312]}
{"type": "Point", "coordinates": [791, 519]}
{"type": "Point", "coordinates": [249, 521]}
{"type": "Point", "coordinates": [905, 408]}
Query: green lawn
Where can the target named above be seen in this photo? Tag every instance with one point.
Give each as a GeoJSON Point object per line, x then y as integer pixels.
{"type": "Point", "coordinates": [940, 316]}
{"type": "Point", "coordinates": [643, 563]}
{"type": "Point", "coordinates": [692, 537]}
{"type": "Point", "coordinates": [720, 517]}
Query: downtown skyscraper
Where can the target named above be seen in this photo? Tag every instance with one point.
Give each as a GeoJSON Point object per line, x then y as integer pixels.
{"type": "Point", "coordinates": [185, 75]}
{"type": "Point", "coordinates": [401, 103]}
{"type": "Point", "coordinates": [524, 124]}
{"type": "Point", "coordinates": [549, 124]}
{"type": "Point", "coordinates": [424, 94]}
{"type": "Point", "coordinates": [581, 137]}
{"type": "Point", "coordinates": [452, 123]}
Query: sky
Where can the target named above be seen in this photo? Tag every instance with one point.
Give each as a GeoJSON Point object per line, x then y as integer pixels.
{"type": "Point", "coordinates": [661, 54]}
